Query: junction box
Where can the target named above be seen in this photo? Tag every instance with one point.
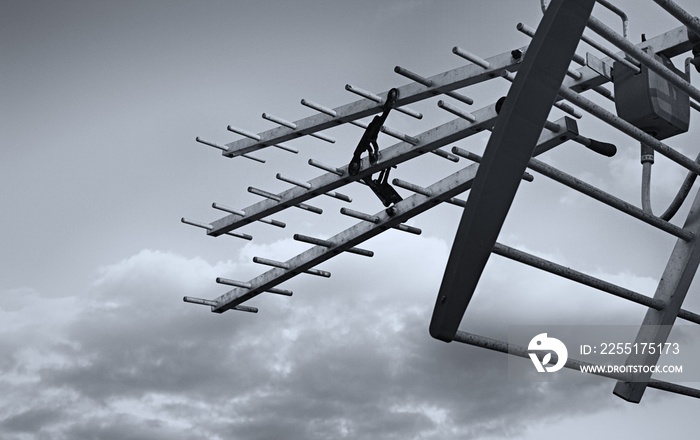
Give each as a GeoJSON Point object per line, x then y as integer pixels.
{"type": "Point", "coordinates": [650, 102]}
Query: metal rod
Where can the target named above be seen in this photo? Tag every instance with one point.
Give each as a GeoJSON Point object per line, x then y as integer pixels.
{"type": "Point", "coordinates": [574, 275]}
{"type": "Point", "coordinates": [459, 97]}
{"type": "Point", "coordinates": [619, 12]}
{"type": "Point", "coordinates": [272, 263]}
{"type": "Point", "coordinates": [204, 302]}
{"type": "Point", "coordinates": [278, 199]}
{"type": "Point", "coordinates": [230, 282]}
{"type": "Point", "coordinates": [456, 111]}
{"type": "Point", "coordinates": [307, 185]}
{"type": "Point", "coordinates": [412, 187]}
{"type": "Point", "coordinates": [244, 133]}
{"type": "Point", "coordinates": [253, 158]}
{"type": "Point", "coordinates": [281, 265]}
{"type": "Point", "coordinates": [339, 196]}
{"type": "Point", "coordinates": [246, 309]}
{"type": "Point", "coordinates": [359, 215]}
{"type": "Point", "coordinates": [266, 194]}
{"type": "Point", "coordinates": [471, 57]}
{"type": "Point", "coordinates": [375, 219]}
{"type": "Point", "coordinates": [224, 208]}
{"type": "Point", "coordinates": [608, 199]}
{"type": "Point", "coordinates": [187, 221]}
{"type": "Point", "coordinates": [279, 121]}
{"type": "Point", "coordinates": [211, 144]}
{"type": "Point", "coordinates": [248, 135]}
{"type": "Point", "coordinates": [324, 167]}
{"type": "Point", "coordinates": [208, 227]}
{"type": "Point", "coordinates": [323, 137]}
{"type": "Point", "coordinates": [328, 244]}
{"type": "Point", "coordinates": [277, 291]}
{"type": "Point", "coordinates": [224, 148]}
{"type": "Point", "coordinates": [629, 129]}
{"type": "Point", "coordinates": [364, 93]}
{"type": "Point", "coordinates": [378, 99]}
{"type": "Point", "coordinates": [457, 202]}
{"type": "Point", "coordinates": [190, 299]}
{"type": "Point", "coordinates": [318, 107]}
{"type": "Point", "coordinates": [398, 135]}
{"type": "Point", "coordinates": [304, 185]}
{"type": "Point", "coordinates": [286, 148]}
{"type": "Point", "coordinates": [575, 74]}
{"type": "Point", "coordinates": [247, 285]}
{"type": "Point", "coordinates": [309, 208]}
{"type": "Point", "coordinates": [689, 316]}
{"type": "Point", "coordinates": [413, 76]}
{"type": "Point", "coordinates": [406, 228]}
{"type": "Point", "coordinates": [551, 126]}
{"type": "Point", "coordinates": [241, 213]}
{"type": "Point", "coordinates": [681, 15]}
{"type": "Point", "coordinates": [445, 155]}
{"type": "Point", "coordinates": [602, 91]}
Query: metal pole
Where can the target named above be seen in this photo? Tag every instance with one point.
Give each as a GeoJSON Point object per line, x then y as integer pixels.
{"type": "Point", "coordinates": [508, 152]}
{"type": "Point", "coordinates": [608, 199]}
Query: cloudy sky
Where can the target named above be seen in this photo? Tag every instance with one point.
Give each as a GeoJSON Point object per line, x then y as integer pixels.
{"type": "Point", "coordinates": [100, 103]}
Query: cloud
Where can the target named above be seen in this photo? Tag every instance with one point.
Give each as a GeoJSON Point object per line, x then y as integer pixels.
{"type": "Point", "coordinates": [345, 357]}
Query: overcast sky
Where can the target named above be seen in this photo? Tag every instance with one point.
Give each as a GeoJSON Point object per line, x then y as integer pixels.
{"type": "Point", "coordinates": [100, 103]}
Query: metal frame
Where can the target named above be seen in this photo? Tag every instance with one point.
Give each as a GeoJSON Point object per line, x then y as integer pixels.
{"type": "Point", "coordinates": [521, 131]}
{"type": "Point", "coordinates": [439, 192]}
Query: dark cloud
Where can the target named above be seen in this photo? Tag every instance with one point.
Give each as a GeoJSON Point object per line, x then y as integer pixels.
{"type": "Point", "coordinates": [32, 420]}
{"type": "Point", "coordinates": [358, 364]}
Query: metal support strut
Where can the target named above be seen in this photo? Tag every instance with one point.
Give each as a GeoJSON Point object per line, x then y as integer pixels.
{"type": "Point", "coordinates": [508, 152]}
